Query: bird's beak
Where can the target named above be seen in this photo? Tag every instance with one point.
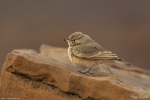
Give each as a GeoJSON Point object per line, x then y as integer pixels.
{"type": "Point", "coordinates": [66, 40]}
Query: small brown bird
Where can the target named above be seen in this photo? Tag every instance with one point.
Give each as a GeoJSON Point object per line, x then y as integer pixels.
{"type": "Point", "coordinates": [85, 52]}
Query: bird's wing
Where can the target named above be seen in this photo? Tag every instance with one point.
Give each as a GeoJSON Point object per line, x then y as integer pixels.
{"type": "Point", "coordinates": [106, 55]}
{"type": "Point", "coordinates": [92, 51]}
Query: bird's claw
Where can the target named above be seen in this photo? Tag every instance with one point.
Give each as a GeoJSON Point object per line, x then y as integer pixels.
{"type": "Point", "coordinates": [85, 72]}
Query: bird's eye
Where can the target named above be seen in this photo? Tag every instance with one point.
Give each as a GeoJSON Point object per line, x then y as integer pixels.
{"type": "Point", "coordinates": [73, 40]}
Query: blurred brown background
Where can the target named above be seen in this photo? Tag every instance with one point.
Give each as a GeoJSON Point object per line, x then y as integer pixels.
{"type": "Point", "coordinates": [121, 26]}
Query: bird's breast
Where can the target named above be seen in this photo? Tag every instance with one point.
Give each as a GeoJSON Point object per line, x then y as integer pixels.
{"type": "Point", "coordinates": [70, 53]}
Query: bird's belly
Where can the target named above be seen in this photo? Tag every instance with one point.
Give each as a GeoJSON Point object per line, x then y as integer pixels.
{"type": "Point", "coordinates": [84, 62]}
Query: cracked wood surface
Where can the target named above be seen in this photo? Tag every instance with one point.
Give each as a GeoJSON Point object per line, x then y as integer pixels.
{"type": "Point", "coordinates": [50, 75]}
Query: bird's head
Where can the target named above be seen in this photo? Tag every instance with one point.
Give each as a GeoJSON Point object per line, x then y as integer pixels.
{"type": "Point", "coordinates": [77, 38]}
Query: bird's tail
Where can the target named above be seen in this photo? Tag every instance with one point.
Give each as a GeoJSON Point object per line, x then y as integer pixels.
{"type": "Point", "coordinates": [122, 62]}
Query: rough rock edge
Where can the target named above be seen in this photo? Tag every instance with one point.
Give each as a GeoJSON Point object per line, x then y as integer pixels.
{"type": "Point", "coordinates": [14, 71]}
{"type": "Point", "coordinates": [36, 80]}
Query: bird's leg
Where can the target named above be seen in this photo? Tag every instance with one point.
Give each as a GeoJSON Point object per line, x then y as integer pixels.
{"type": "Point", "coordinates": [86, 71]}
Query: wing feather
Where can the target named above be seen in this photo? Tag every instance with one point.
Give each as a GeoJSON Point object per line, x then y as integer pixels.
{"type": "Point", "coordinates": [94, 51]}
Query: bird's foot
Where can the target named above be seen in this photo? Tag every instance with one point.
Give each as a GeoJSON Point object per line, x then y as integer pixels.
{"type": "Point", "coordinates": [85, 72]}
